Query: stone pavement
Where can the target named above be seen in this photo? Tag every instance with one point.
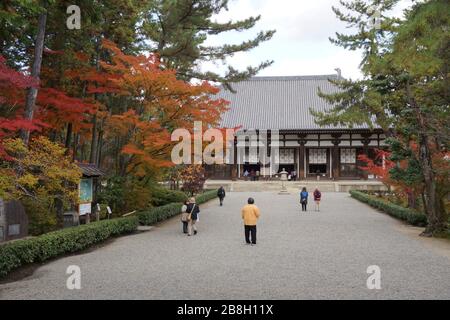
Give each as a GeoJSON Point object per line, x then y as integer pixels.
{"type": "Point", "coordinates": [313, 255]}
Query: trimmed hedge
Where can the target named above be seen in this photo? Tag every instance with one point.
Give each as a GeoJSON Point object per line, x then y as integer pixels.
{"type": "Point", "coordinates": [206, 196]}
{"type": "Point", "coordinates": [50, 245]}
{"type": "Point", "coordinates": [154, 215]}
{"type": "Point", "coordinates": [163, 196]}
{"type": "Point", "coordinates": [413, 217]}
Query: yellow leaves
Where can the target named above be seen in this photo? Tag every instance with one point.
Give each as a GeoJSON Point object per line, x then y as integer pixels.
{"type": "Point", "coordinates": [28, 181]}
{"type": "Point", "coordinates": [42, 171]}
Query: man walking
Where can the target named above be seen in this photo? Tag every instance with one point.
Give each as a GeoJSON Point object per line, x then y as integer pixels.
{"type": "Point", "coordinates": [250, 215]}
{"type": "Point", "coordinates": [221, 194]}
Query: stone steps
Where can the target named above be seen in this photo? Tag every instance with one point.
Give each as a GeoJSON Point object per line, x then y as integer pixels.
{"type": "Point", "coordinates": [293, 187]}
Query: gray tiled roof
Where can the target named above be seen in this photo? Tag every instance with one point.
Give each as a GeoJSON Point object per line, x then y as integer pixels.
{"type": "Point", "coordinates": [277, 103]}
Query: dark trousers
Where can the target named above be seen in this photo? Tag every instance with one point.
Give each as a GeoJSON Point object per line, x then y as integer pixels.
{"type": "Point", "coordinates": [250, 231]}
{"type": "Point", "coordinates": [185, 227]}
{"type": "Point", "coordinates": [221, 200]}
{"type": "Point", "coordinates": [304, 204]}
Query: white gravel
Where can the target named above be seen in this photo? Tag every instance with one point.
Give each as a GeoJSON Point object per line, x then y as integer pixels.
{"type": "Point", "coordinates": [314, 255]}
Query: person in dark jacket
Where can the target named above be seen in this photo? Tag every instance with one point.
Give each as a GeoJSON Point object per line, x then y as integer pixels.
{"type": "Point", "coordinates": [304, 199]}
{"type": "Point", "coordinates": [221, 194]}
{"type": "Point", "coordinates": [317, 198]}
{"type": "Point", "coordinates": [193, 210]}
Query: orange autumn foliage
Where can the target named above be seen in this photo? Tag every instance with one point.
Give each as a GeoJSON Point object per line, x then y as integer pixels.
{"type": "Point", "coordinates": [158, 103]}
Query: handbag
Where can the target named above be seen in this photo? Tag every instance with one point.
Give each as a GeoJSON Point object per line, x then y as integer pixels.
{"type": "Point", "coordinates": [184, 217]}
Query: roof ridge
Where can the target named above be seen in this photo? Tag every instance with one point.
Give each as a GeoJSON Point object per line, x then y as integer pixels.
{"type": "Point", "coordinates": [287, 78]}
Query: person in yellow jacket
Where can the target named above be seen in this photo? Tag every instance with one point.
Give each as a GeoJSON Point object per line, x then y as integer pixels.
{"type": "Point", "coordinates": [250, 215]}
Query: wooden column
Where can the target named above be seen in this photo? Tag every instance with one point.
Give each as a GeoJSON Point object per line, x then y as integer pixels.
{"type": "Point", "coordinates": [234, 167]}
{"type": "Point", "coordinates": [336, 157]}
{"type": "Point", "coordinates": [301, 160]}
{"type": "Point", "coordinates": [365, 142]}
{"type": "Point", "coordinates": [336, 160]}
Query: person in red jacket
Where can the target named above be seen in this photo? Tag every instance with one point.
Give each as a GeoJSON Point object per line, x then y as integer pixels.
{"type": "Point", "coordinates": [317, 198]}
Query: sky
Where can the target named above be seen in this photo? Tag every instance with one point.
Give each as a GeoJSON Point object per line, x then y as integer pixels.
{"type": "Point", "coordinates": [300, 45]}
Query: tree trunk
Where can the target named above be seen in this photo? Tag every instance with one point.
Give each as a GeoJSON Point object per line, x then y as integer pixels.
{"type": "Point", "coordinates": [35, 73]}
{"type": "Point", "coordinates": [436, 218]}
{"type": "Point", "coordinates": [75, 147]}
{"type": "Point", "coordinates": [68, 136]}
{"type": "Point", "coordinates": [99, 148]}
{"type": "Point", "coordinates": [411, 200]}
{"type": "Point", "coordinates": [432, 203]}
{"type": "Point", "coordinates": [93, 156]}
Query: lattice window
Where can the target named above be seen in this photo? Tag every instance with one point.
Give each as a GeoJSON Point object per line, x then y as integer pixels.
{"type": "Point", "coordinates": [317, 156]}
{"type": "Point", "coordinates": [348, 156]}
{"type": "Point", "coordinates": [287, 156]}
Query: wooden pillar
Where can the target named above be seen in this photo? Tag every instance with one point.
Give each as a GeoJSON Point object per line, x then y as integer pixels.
{"type": "Point", "coordinates": [301, 160]}
{"type": "Point", "coordinates": [234, 167]}
{"type": "Point", "coordinates": [365, 142]}
{"type": "Point", "coordinates": [336, 156]}
{"type": "Point", "coordinates": [336, 161]}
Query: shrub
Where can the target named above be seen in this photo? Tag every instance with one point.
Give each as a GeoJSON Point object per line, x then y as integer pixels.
{"type": "Point", "coordinates": [21, 252]}
{"type": "Point", "coordinates": [157, 214]}
{"type": "Point", "coordinates": [206, 196]}
{"type": "Point", "coordinates": [413, 217]}
{"type": "Point", "coordinates": [154, 215]}
{"type": "Point", "coordinates": [193, 178]}
{"type": "Point", "coordinates": [162, 196]}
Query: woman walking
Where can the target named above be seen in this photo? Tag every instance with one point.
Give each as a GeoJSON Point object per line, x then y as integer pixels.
{"type": "Point", "coordinates": [185, 216]}
{"type": "Point", "coordinates": [193, 210]}
{"type": "Point", "coordinates": [304, 199]}
{"type": "Point", "coordinates": [317, 198]}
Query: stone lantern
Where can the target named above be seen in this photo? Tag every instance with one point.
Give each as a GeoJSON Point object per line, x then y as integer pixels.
{"type": "Point", "coordinates": [283, 178]}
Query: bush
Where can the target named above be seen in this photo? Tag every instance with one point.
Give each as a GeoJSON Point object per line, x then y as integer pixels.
{"type": "Point", "coordinates": [154, 215]}
{"type": "Point", "coordinates": [206, 196]}
{"type": "Point", "coordinates": [413, 217]}
{"type": "Point", "coordinates": [21, 252]}
{"type": "Point", "coordinates": [162, 196]}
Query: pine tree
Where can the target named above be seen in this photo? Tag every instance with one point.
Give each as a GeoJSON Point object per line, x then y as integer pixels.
{"type": "Point", "coordinates": [405, 89]}
{"type": "Point", "coordinates": [178, 29]}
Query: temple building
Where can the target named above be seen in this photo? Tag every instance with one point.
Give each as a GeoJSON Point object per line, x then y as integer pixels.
{"type": "Point", "coordinates": [282, 104]}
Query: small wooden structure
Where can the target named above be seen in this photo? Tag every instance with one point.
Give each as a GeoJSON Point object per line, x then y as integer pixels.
{"type": "Point", "coordinates": [87, 196]}
{"type": "Point", "coordinates": [13, 221]}
{"type": "Point", "coordinates": [88, 190]}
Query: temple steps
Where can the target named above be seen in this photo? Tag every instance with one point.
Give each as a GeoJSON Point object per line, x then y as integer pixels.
{"type": "Point", "coordinates": [294, 186]}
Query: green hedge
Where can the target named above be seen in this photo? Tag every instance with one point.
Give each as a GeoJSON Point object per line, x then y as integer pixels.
{"type": "Point", "coordinates": [163, 196]}
{"type": "Point", "coordinates": [50, 245]}
{"type": "Point", "coordinates": [413, 217]}
{"type": "Point", "coordinates": [154, 215]}
{"type": "Point", "coordinates": [206, 196]}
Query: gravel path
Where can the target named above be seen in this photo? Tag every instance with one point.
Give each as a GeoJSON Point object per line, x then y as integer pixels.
{"type": "Point", "coordinates": [298, 256]}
